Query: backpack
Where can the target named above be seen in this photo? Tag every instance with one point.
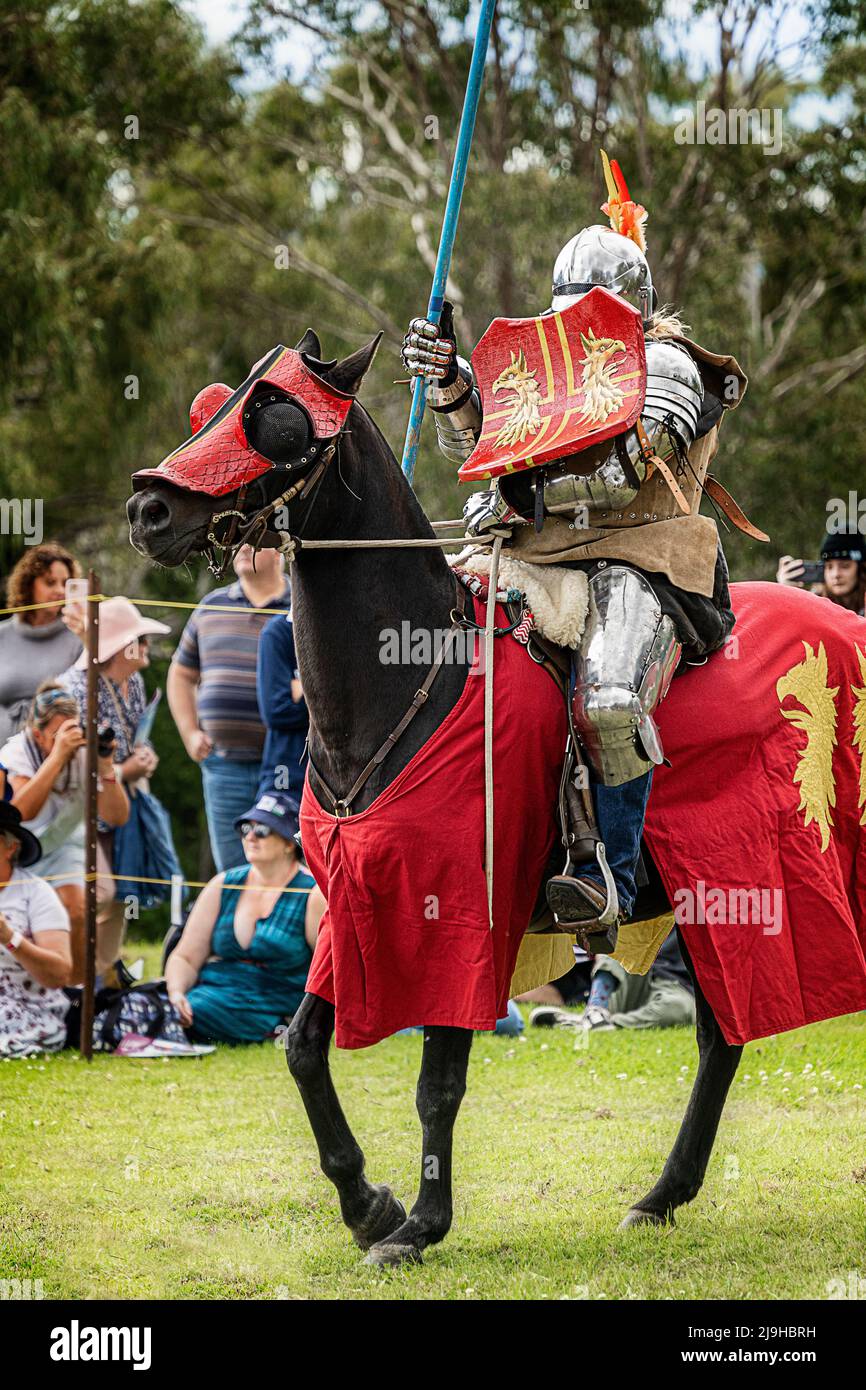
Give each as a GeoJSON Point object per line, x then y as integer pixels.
{"type": "Point", "coordinates": [142, 1009]}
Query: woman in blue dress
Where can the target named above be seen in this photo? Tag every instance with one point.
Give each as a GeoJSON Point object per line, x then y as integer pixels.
{"type": "Point", "coordinates": [239, 970]}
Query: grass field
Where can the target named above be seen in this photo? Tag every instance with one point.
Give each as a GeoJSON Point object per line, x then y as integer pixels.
{"type": "Point", "coordinates": [199, 1179]}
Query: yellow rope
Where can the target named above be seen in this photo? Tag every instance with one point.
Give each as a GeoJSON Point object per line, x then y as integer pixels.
{"type": "Point", "coordinates": [211, 607]}
{"type": "Point", "coordinates": [31, 607]}
{"type": "Point", "coordinates": [142, 603]}
{"type": "Point", "coordinates": [134, 878]}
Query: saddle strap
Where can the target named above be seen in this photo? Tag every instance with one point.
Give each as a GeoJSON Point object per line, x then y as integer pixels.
{"type": "Point", "coordinates": [672, 483]}
{"type": "Point", "coordinates": [576, 811]}
{"type": "Point", "coordinates": [731, 509]}
{"type": "Point", "coordinates": [342, 806]}
{"type": "Point", "coordinates": [653, 461]}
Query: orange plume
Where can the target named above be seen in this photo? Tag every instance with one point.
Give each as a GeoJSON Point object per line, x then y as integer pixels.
{"type": "Point", "coordinates": [626, 217]}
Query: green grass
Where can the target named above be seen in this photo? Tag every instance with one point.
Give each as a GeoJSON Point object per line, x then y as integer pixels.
{"type": "Point", "coordinates": [199, 1179]}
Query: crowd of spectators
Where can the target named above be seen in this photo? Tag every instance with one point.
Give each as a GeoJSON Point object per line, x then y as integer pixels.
{"type": "Point", "coordinates": [237, 971]}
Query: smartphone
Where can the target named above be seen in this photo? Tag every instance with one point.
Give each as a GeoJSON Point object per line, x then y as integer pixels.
{"type": "Point", "coordinates": [813, 572]}
{"type": "Point", "coordinates": [75, 597]}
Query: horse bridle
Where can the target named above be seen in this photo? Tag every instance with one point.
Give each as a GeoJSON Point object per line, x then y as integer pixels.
{"type": "Point", "coordinates": [220, 553]}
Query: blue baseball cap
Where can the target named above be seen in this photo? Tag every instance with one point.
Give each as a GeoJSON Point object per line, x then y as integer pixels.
{"type": "Point", "coordinates": [277, 810]}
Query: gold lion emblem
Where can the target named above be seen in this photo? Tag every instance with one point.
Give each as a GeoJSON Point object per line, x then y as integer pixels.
{"type": "Point", "coordinates": [525, 417]}
{"type": "Point", "coordinates": [603, 392]}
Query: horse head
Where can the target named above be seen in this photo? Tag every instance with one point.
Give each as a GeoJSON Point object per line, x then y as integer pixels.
{"type": "Point", "coordinates": [257, 454]}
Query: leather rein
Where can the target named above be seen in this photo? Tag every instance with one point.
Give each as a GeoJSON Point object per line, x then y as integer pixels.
{"type": "Point", "coordinates": [341, 806]}
{"type": "Point", "coordinates": [220, 553]}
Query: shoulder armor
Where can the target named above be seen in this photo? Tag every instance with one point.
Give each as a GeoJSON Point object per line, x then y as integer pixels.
{"type": "Point", "coordinates": [674, 389]}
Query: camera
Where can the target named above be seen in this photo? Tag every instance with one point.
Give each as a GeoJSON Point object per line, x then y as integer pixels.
{"type": "Point", "coordinates": [813, 572]}
{"type": "Point", "coordinates": [104, 740]}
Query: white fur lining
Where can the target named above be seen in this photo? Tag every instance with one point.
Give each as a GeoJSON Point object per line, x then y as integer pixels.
{"type": "Point", "coordinates": [557, 596]}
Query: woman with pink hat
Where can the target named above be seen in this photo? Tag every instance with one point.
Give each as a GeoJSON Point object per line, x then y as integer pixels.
{"type": "Point", "coordinates": [123, 655]}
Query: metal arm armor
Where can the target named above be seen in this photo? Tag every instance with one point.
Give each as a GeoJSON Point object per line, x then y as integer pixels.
{"type": "Point", "coordinates": [457, 410]}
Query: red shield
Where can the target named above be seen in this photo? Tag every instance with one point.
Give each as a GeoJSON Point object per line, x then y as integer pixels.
{"type": "Point", "coordinates": [556, 384]}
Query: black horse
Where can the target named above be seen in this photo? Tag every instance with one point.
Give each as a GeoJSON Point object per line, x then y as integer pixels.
{"type": "Point", "coordinates": [342, 600]}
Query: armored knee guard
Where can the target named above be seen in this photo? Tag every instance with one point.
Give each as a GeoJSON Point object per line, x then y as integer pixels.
{"type": "Point", "coordinates": [623, 667]}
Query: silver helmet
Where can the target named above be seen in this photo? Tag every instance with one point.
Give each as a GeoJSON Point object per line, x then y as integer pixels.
{"type": "Point", "coordinates": [600, 256]}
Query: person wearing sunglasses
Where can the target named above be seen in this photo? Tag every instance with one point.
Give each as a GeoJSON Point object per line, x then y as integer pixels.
{"type": "Point", "coordinates": [238, 972]}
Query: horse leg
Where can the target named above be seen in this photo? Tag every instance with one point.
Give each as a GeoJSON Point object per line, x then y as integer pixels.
{"type": "Point", "coordinates": [684, 1171]}
{"type": "Point", "coordinates": [441, 1088]}
{"type": "Point", "coordinates": [369, 1212]}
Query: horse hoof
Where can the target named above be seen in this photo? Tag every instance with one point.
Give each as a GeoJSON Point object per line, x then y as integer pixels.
{"type": "Point", "coordinates": [638, 1217]}
{"type": "Point", "coordinates": [385, 1216]}
{"type": "Point", "coordinates": [389, 1255]}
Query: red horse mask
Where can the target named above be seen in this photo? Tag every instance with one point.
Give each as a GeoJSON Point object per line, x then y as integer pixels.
{"type": "Point", "coordinates": [218, 458]}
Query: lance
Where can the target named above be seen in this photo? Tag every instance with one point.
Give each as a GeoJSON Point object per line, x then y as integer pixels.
{"type": "Point", "coordinates": [449, 222]}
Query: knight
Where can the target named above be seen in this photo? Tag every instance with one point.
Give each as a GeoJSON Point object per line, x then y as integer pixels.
{"type": "Point", "coordinates": [623, 506]}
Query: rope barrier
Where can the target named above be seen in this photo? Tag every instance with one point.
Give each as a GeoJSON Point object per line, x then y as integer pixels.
{"type": "Point", "coordinates": [189, 882]}
{"type": "Point", "coordinates": [136, 878]}
{"type": "Point", "coordinates": [32, 607]}
{"type": "Point", "coordinates": [143, 603]}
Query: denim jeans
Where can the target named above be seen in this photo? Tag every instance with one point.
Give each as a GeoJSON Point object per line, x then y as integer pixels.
{"type": "Point", "coordinates": [229, 790]}
{"type": "Point", "coordinates": [620, 814]}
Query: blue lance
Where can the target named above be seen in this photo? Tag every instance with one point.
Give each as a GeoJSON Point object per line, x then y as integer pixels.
{"type": "Point", "coordinates": [449, 222]}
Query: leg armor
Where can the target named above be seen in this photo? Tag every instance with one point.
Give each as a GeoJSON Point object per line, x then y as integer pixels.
{"type": "Point", "coordinates": [623, 667]}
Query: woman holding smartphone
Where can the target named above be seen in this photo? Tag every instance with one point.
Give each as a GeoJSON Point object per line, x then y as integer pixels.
{"type": "Point", "coordinates": [36, 644]}
{"type": "Point", "coordinates": [45, 765]}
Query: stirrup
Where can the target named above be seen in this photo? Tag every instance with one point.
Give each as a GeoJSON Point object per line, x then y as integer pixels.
{"type": "Point", "coordinates": [580, 906]}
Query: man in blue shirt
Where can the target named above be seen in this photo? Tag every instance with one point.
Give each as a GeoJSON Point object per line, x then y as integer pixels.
{"type": "Point", "coordinates": [212, 693]}
{"type": "Point", "coordinates": [283, 710]}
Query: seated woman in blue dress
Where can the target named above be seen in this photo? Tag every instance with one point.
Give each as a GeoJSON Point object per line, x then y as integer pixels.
{"type": "Point", "coordinates": [238, 972]}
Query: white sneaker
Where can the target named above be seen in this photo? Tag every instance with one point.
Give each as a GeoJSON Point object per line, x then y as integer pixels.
{"type": "Point", "coordinates": [597, 1020]}
{"type": "Point", "coordinates": [549, 1016]}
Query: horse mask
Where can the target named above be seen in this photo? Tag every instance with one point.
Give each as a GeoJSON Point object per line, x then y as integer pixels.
{"type": "Point", "coordinates": [220, 457]}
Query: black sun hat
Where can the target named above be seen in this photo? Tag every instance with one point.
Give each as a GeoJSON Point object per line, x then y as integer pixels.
{"type": "Point", "coordinates": [10, 820]}
{"type": "Point", "coordinates": [843, 545]}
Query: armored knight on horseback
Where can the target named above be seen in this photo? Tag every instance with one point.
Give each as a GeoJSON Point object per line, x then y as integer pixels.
{"type": "Point", "coordinates": [620, 502]}
{"type": "Point", "coordinates": [599, 420]}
